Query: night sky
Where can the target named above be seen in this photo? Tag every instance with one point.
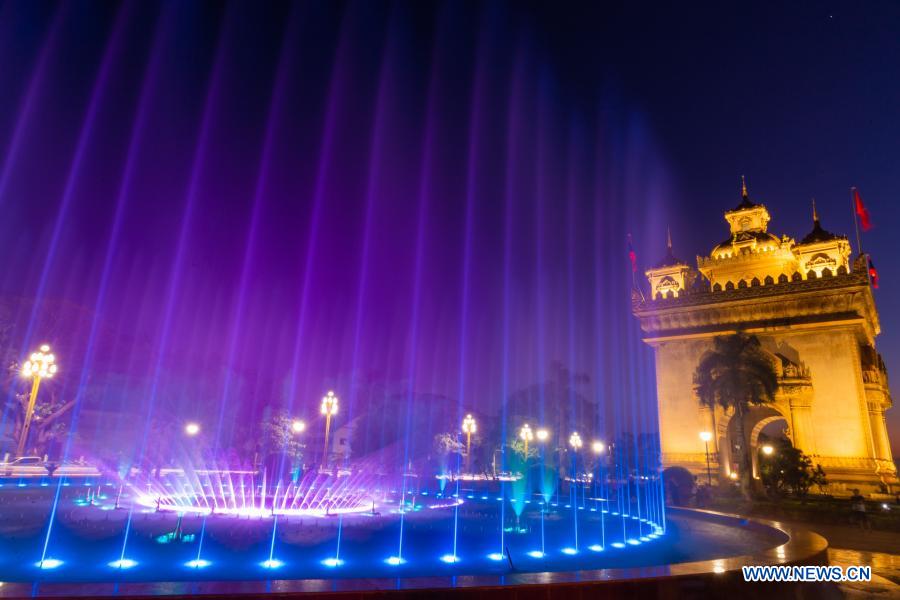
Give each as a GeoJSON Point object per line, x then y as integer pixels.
{"type": "Point", "coordinates": [292, 196]}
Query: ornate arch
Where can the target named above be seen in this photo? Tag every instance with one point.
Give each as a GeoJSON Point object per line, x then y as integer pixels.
{"type": "Point", "coordinates": [793, 383]}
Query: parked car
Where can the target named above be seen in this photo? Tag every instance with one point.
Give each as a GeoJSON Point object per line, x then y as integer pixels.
{"type": "Point", "coordinates": [34, 466]}
{"type": "Point", "coordinates": [74, 469]}
{"type": "Point", "coordinates": [24, 466]}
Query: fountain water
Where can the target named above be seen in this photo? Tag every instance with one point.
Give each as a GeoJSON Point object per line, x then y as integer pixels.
{"type": "Point", "coordinates": [420, 218]}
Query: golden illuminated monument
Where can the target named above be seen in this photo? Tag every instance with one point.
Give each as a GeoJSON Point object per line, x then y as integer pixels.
{"type": "Point", "coordinates": [814, 313]}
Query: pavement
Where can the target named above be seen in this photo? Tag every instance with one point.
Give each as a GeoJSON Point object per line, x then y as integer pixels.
{"type": "Point", "coordinates": [885, 581]}
{"type": "Point", "coordinates": [849, 545]}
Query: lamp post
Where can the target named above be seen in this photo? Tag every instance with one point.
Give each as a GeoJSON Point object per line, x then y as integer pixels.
{"type": "Point", "coordinates": [527, 435]}
{"type": "Point", "coordinates": [576, 443]}
{"type": "Point", "coordinates": [40, 365]}
{"type": "Point", "coordinates": [598, 448]}
{"type": "Point", "coordinates": [329, 409]}
{"type": "Point", "coordinates": [298, 426]}
{"type": "Point", "coordinates": [192, 429]}
{"type": "Point", "coordinates": [706, 436]}
{"type": "Point", "coordinates": [469, 427]}
{"type": "Point", "coordinates": [768, 450]}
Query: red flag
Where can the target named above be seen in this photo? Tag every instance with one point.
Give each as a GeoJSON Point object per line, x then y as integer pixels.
{"type": "Point", "coordinates": [631, 255]}
{"type": "Point", "coordinates": [861, 211]}
{"type": "Point", "coordinates": [873, 274]}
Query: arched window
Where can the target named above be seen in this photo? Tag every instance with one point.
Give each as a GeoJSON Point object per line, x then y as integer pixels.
{"type": "Point", "coordinates": [754, 282]}
{"type": "Point", "coordinates": [796, 276]}
{"type": "Point", "coordinates": [742, 284]}
{"type": "Point", "coordinates": [729, 286]}
{"type": "Point", "coordinates": [842, 270]}
{"type": "Point", "coordinates": [811, 274]}
{"type": "Point", "coordinates": [768, 280]}
{"type": "Point", "coordinates": [782, 278]}
{"type": "Point", "coordinates": [826, 272]}
{"type": "Point", "coordinates": [717, 287]}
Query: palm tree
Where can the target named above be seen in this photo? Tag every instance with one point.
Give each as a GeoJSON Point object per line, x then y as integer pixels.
{"type": "Point", "coordinates": [736, 374]}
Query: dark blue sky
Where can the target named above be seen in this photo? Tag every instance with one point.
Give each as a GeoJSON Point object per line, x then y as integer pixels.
{"type": "Point", "coordinates": [801, 97]}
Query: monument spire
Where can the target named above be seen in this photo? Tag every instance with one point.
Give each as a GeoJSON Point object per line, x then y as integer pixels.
{"type": "Point", "coordinates": [745, 196]}
{"type": "Point", "coordinates": [815, 214]}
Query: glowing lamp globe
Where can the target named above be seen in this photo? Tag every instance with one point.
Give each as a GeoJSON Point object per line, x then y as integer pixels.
{"type": "Point", "coordinates": [468, 425]}
{"type": "Point", "coordinates": [525, 433]}
{"type": "Point", "coordinates": [329, 404]}
{"type": "Point", "coordinates": [575, 441]}
{"type": "Point", "coordinates": [40, 364]}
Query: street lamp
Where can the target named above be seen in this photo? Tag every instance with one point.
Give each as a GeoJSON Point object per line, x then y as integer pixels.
{"type": "Point", "coordinates": [598, 448]}
{"type": "Point", "coordinates": [768, 450]}
{"type": "Point", "coordinates": [706, 436]}
{"type": "Point", "coordinates": [526, 434]}
{"type": "Point", "coordinates": [542, 435]}
{"type": "Point", "coordinates": [575, 441]}
{"type": "Point", "coordinates": [329, 409]}
{"type": "Point", "coordinates": [298, 426]}
{"type": "Point", "coordinates": [469, 427]}
{"type": "Point", "coordinates": [40, 365]}
{"type": "Point", "coordinates": [192, 429]}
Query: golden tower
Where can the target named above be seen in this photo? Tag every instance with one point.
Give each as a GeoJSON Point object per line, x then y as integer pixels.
{"type": "Point", "coordinates": [813, 310]}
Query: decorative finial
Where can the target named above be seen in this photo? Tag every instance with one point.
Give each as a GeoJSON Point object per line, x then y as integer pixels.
{"type": "Point", "coordinates": [815, 214]}
{"type": "Point", "coordinates": [744, 193]}
{"type": "Point", "coordinates": [668, 238]}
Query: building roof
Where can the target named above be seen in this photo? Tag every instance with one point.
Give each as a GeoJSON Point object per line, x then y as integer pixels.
{"type": "Point", "coordinates": [818, 234]}
{"type": "Point", "coordinates": [742, 236]}
{"type": "Point", "coordinates": [745, 198]}
{"type": "Point", "coordinates": [668, 260]}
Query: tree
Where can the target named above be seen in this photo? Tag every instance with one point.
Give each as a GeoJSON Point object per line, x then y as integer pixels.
{"type": "Point", "coordinates": [448, 443]}
{"type": "Point", "coordinates": [789, 471]}
{"type": "Point", "coordinates": [48, 425]}
{"type": "Point", "coordinates": [518, 448]}
{"type": "Point", "coordinates": [282, 439]}
{"type": "Point", "coordinates": [736, 374]}
{"type": "Point", "coordinates": [445, 445]}
{"type": "Point", "coordinates": [561, 404]}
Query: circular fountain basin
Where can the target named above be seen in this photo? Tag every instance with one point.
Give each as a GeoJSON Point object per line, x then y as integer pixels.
{"type": "Point", "coordinates": [363, 551]}
{"type": "Point", "coordinates": [102, 534]}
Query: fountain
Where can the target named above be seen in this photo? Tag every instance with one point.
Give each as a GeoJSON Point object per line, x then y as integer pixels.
{"type": "Point", "coordinates": [404, 205]}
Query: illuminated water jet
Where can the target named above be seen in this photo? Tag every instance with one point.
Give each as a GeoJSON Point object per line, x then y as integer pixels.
{"type": "Point", "coordinates": [123, 563]}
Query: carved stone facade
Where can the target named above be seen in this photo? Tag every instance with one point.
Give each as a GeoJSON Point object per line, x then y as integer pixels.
{"type": "Point", "coordinates": [815, 315]}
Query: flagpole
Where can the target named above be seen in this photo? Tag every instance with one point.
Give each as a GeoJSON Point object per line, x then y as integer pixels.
{"type": "Point", "coordinates": [631, 256]}
{"type": "Point", "coordinates": [853, 195]}
{"type": "Point", "coordinates": [856, 220]}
